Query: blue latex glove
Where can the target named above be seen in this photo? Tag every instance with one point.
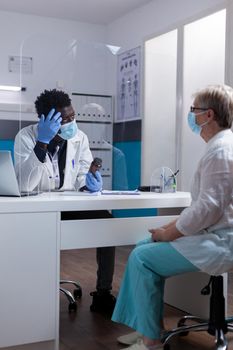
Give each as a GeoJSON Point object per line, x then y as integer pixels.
{"type": "Point", "coordinates": [49, 127]}
{"type": "Point", "coordinates": [94, 183]}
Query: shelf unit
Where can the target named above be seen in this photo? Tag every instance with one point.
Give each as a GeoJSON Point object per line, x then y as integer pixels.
{"type": "Point", "coordinates": [94, 114]}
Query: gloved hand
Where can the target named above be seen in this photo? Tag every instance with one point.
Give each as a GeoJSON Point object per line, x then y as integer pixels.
{"type": "Point", "coordinates": [48, 128]}
{"type": "Point", "coordinates": [94, 182]}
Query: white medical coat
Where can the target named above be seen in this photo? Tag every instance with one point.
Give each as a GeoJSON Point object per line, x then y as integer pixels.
{"type": "Point", "coordinates": [33, 174]}
{"type": "Point", "coordinates": [208, 223]}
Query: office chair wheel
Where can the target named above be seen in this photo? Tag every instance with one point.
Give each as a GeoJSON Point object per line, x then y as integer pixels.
{"type": "Point", "coordinates": [93, 308]}
{"type": "Point", "coordinates": [77, 293]}
{"type": "Point", "coordinates": [181, 323]}
{"type": "Point", "coordinates": [72, 307]}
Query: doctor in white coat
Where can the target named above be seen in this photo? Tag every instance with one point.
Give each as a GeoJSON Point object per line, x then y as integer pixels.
{"type": "Point", "coordinates": [55, 155]}
{"type": "Point", "coordinates": [32, 173]}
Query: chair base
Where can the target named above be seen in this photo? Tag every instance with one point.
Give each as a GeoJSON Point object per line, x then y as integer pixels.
{"type": "Point", "coordinates": [217, 325]}
{"type": "Point", "coordinates": [182, 330]}
{"type": "Point", "coordinates": [77, 293]}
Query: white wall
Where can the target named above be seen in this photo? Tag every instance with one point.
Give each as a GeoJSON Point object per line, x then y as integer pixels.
{"type": "Point", "coordinates": [100, 76]}
{"type": "Point", "coordinates": [151, 20]}
{"type": "Point", "coordinates": [131, 29]}
{"type": "Point", "coordinates": [198, 73]}
{"type": "Point", "coordinates": [64, 53]}
{"type": "Point", "coordinates": [159, 143]}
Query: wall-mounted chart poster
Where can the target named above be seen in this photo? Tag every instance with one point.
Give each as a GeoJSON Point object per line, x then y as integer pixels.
{"type": "Point", "coordinates": [128, 85]}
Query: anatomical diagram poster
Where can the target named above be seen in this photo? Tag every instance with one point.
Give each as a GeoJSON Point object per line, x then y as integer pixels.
{"type": "Point", "coordinates": [128, 85]}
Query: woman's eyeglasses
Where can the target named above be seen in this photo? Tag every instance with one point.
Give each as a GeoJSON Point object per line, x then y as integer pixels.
{"type": "Point", "coordinates": [193, 109]}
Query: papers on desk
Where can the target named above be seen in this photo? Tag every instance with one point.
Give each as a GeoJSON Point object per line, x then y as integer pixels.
{"type": "Point", "coordinates": [104, 192]}
{"type": "Point", "coordinates": [79, 193]}
{"type": "Point", "coordinates": [114, 192]}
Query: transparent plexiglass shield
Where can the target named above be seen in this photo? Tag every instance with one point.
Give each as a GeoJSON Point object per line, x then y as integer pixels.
{"type": "Point", "coordinates": [86, 71]}
{"type": "Point", "coordinates": [163, 179]}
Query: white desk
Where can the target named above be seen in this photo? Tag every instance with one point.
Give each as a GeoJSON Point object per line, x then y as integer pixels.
{"type": "Point", "coordinates": [32, 235]}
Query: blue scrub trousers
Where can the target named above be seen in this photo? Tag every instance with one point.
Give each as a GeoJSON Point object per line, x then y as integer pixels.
{"type": "Point", "coordinates": [140, 300]}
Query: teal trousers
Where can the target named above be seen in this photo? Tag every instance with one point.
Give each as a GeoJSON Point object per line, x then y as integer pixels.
{"type": "Point", "coordinates": [140, 300]}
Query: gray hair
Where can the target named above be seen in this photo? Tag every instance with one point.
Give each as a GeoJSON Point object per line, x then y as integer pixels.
{"type": "Point", "coordinates": [219, 98]}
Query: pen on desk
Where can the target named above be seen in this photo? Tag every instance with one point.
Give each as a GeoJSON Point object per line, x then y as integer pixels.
{"type": "Point", "coordinates": [174, 180]}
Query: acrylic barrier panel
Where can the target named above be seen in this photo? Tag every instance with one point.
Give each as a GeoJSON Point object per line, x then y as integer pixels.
{"type": "Point", "coordinates": [204, 64]}
{"type": "Point", "coordinates": [163, 180]}
{"type": "Point", "coordinates": [9, 127]}
{"type": "Point", "coordinates": [85, 71]}
{"type": "Point", "coordinates": [159, 122]}
{"type": "Point", "coordinates": [46, 62]}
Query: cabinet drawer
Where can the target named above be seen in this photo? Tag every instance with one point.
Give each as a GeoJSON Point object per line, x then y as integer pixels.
{"type": "Point", "coordinates": [108, 232]}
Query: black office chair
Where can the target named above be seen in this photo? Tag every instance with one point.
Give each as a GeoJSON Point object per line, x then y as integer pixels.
{"type": "Point", "coordinates": [72, 298]}
{"type": "Point", "coordinates": [217, 325]}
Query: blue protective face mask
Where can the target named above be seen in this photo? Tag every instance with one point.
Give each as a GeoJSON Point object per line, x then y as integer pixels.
{"type": "Point", "coordinates": [68, 130]}
{"type": "Point", "coordinates": [192, 123]}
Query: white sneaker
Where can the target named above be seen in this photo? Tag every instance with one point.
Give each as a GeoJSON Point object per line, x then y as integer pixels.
{"type": "Point", "coordinates": [137, 346]}
{"type": "Point", "coordinates": [130, 338]}
{"type": "Point", "coordinates": [133, 338]}
{"type": "Point", "coordinates": [141, 346]}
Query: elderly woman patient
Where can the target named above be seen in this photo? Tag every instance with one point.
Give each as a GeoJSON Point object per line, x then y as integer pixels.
{"type": "Point", "coordinates": [201, 239]}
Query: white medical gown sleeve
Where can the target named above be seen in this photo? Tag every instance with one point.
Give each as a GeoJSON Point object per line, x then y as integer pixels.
{"type": "Point", "coordinates": [27, 166]}
{"type": "Point", "coordinates": [84, 162]}
{"type": "Point", "coordinates": [215, 193]}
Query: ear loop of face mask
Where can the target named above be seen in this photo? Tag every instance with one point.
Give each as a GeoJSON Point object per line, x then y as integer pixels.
{"type": "Point", "coordinates": [201, 125]}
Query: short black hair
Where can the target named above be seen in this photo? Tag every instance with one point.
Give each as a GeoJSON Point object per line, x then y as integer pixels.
{"type": "Point", "coordinates": [51, 99]}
